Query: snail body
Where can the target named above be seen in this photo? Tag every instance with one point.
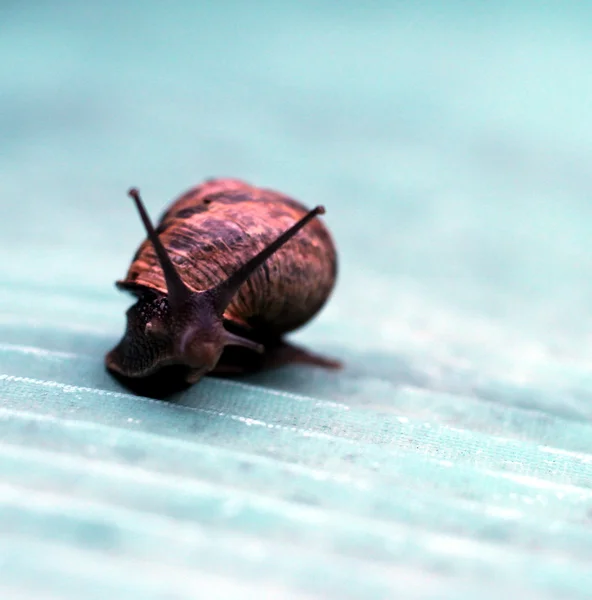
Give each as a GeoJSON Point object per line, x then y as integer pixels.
{"type": "Point", "coordinates": [229, 264]}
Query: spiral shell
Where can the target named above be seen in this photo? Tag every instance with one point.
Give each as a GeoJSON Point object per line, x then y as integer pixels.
{"type": "Point", "coordinates": [211, 230]}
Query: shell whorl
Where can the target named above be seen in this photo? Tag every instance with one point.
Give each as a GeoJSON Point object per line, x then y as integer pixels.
{"type": "Point", "coordinates": [213, 228]}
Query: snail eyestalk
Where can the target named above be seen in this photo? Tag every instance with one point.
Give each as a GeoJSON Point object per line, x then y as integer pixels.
{"type": "Point", "coordinates": [178, 292]}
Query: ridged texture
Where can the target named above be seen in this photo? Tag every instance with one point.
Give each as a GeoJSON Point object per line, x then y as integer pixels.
{"type": "Point", "coordinates": [216, 227]}
{"type": "Point", "coordinates": [251, 491]}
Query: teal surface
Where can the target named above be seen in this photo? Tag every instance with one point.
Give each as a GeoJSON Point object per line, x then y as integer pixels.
{"type": "Point", "coordinates": [452, 457]}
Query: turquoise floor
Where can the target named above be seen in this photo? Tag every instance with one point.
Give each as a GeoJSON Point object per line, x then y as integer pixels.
{"type": "Point", "coordinates": [452, 457]}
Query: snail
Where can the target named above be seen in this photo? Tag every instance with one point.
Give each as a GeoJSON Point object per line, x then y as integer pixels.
{"type": "Point", "coordinates": [229, 265]}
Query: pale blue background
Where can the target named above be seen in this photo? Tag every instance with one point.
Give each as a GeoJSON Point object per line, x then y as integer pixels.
{"type": "Point", "coordinates": [451, 143]}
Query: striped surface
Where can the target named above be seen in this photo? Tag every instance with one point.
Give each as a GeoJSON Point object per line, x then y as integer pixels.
{"type": "Point", "coordinates": [251, 490]}
{"type": "Point", "coordinates": [452, 457]}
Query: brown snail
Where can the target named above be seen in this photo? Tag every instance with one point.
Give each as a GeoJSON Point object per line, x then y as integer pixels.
{"type": "Point", "coordinates": [229, 265]}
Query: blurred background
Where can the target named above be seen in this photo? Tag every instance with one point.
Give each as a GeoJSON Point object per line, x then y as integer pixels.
{"type": "Point", "coordinates": [450, 142]}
